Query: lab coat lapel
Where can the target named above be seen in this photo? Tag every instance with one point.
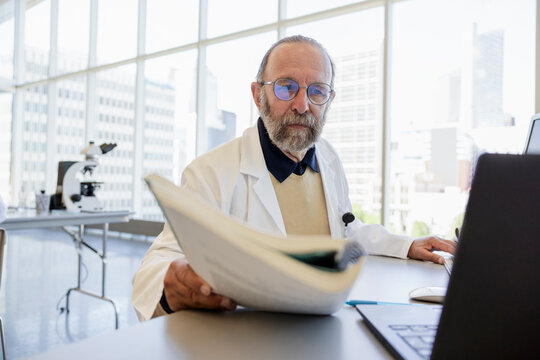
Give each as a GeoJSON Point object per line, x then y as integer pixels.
{"type": "Point", "coordinates": [253, 165]}
{"type": "Point", "coordinates": [330, 191]}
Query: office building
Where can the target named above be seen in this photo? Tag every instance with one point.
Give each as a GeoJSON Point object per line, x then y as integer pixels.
{"type": "Point", "coordinates": [488, 62]}
{"type": "Point", "coordinates": [354, 124]}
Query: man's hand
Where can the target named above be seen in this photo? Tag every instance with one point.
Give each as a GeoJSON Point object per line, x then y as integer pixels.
{"type": "Point", "coordinates": [422, 249]}
{"type": "Point", "coordinates": [184, 289]}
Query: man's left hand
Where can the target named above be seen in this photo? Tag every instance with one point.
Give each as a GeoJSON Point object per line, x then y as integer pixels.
{"type": "Point", "coordinates": [422, 249]}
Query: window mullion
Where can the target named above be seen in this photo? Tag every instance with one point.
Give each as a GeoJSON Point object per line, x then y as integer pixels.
{"type": "Point", "coordinates": [282, 15]}
{"type": "Point", "coordinates": [91, 111]}
{"type": "Point", "coordinates": [201, 79]}
{"type": "Point", "coordinates": [18, 101]}
{"type": "Point", "coordinates": [51, 167]}
{"type": "Point", "coordinates": [137, 189]}
{"type": "Point", "coordinates": [385, 151]}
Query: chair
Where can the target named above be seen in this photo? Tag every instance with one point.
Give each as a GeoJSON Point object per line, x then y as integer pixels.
{"type": "Point", "coordinates": [3, 238]}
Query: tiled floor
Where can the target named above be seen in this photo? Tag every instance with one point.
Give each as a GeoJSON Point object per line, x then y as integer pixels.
{"type": "Point", "coordinates": [39, 267]}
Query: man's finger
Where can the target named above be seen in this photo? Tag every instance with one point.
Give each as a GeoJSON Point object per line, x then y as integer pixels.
{"type": "Point", "coordinates": [200, 293]}
{"type": "Point", "coordinates": [428, 255]}
{"type": "Point", "coordinates": [198, 300]}
{"type": "Point", "coordinates": [444, 245]}
{"type": "Point", "coordinates": [187, 276]}
{"type": "Point", "coordinates": [182, 297]}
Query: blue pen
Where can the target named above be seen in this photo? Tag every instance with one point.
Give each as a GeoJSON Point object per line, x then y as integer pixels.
{"type": "Point", "coordinates": [370, 302]}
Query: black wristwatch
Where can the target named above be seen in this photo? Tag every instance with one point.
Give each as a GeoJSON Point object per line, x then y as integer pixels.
{"type": "Point", "coordinates": [164, 304]}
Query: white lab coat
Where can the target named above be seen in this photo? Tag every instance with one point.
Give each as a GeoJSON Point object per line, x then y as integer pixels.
{"type": "Point", "coordinates": [234, 178]}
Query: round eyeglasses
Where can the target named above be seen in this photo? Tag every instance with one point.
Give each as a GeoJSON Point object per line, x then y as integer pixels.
{"type": "Point", "coordinates": [287, 89]}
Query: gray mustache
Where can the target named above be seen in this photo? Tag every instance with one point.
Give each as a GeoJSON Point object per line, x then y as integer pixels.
{"type": "Point", "coordinates": [302, 119]}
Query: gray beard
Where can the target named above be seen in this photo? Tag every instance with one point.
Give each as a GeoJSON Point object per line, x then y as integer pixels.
{"type": "Point", "coordinates": [286, 139]}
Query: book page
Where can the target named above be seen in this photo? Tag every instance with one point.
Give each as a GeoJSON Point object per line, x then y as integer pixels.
{"type": "Point", "coordinates": [252, 273]}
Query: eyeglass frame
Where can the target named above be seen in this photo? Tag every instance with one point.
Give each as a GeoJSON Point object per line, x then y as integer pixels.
{"type": "Point", "coordinates": [273, 83]}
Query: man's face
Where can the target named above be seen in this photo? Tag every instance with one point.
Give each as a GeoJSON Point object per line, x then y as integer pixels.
{"type": "Point", "coordinates": [295, 125]}
{"type": "Point", "coordinates": [291, 132]}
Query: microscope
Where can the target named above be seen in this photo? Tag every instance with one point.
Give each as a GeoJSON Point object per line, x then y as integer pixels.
{"type": "Point", "coordinates": [75, 189]}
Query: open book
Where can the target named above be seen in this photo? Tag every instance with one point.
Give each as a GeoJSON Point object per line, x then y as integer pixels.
{"type": "Point", "coordinates": [310, 274]}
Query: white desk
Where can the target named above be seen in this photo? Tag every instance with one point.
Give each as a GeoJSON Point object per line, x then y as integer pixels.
{"type": "Point", "coordinates": [245, 334]}
{"type": "Point", "coordinates": [29, 219]}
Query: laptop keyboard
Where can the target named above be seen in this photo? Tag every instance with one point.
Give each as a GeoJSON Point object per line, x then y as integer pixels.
{"type": "Point", "coordinates": [419, 337]}
{"type": "Point", "coordinates": [449, 263]}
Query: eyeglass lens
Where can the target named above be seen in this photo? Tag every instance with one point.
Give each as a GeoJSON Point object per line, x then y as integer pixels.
{"type": "Point", "coordinates": [287, 89]}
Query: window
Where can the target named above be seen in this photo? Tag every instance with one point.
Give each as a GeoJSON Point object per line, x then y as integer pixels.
{"type": "Point", "coordinates": [6, 100]}
{"type": "Point", "coordinates": [73, 25]}
{"type": "Point", "coordinates": [460, 89]}
{"type": "Point", "coordinates": [170, 23]}
{"type": "Point", "coordinates": [460, 83]}
{"type": "Point", "coordinates": [116, 40]}
{"type": "Point", "coordinates": [7, 26]}
{"type": "Point", "coordinates": [229, 104]}
{"type": "Point", "coordinates": [350, 127]}
{"type": "Point", "coordinates": [240, 15]}
{"type": "Point", "coordinates": [297, 8]}
{"type": "Point", "coordinates": [36, 35]}
{"type": "Point", "coordinates": [33, 179]}
{"type": "Point", "coordinates": [170, 117]}
{"type": "Point", "coordinates": [70, 126]}
{"type": "Point", "coordinates": [124, 80]}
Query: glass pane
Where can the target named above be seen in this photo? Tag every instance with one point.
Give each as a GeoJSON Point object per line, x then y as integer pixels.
{"type": "Point", "coordinates": [70, 119]}
{"type": "Point", "coordinates": [36, 37]}
{"type": "Point", "coordinates": [171, 23]}
{"type": "Point", "coordinates": [115, 97]}
{"type": "Point", "coordinates": [353, 123]}
{"type": "Point", "coordinates": [34, 142]}
{"type": "Point", "coordinates": [73, 27]}
{"type": "Point", "coordinates": [224, 16]}
{"type": "Point", "coordinates": [6, 100]}
{"type": "Point", "coordinates": [7, 25]}
{"type": "Point", "coordinates": [117, 30]}
{"type": "Point", "coordinates": [460, 89]}
{"type": "Point", "coordinates": [169, 121]}
{"type": "Point", "coordinates": [297, 8]}
{"type": "Point", "coordinates": [229, 105]}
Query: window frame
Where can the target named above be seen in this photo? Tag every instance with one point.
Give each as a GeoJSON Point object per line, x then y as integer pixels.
{"type": "Point", "coordinates": [280, 25]}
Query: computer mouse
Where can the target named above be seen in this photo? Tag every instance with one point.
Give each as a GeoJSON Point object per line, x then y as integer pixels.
{"type": "Point", "coordinates": [429, 293]}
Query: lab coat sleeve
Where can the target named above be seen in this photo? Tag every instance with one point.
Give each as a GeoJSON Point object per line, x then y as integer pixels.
{"type": "Point", "coordinates": [376, 240]}
{"type": "Point", "coordinates": [148, 279]}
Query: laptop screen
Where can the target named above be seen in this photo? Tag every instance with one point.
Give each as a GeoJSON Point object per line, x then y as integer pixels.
{"type": "Point", "coordinates": [532, 146]}
{"type": "Point", "coordinates": [491, 307]}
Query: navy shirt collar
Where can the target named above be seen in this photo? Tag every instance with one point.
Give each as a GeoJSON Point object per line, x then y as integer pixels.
{"type": "Point", "coordinates": [278, 163]}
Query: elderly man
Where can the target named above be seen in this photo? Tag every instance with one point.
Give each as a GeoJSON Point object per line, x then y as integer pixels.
{"type": "Point", "coordinates": [279, 176]}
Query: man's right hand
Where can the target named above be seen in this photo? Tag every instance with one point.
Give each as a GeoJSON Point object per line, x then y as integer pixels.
{"type": "Point", "coordinates": [184, 289]}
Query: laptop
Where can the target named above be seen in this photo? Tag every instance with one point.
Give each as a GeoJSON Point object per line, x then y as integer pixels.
{"type": "Point", "coordinates": [492, 306]}
{"type": "Point", "coordinates": [532, 144]}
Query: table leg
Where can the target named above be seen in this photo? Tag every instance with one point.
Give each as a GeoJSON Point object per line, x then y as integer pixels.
{"type": "Point", "coordinates": [103, 258]}
{"type": "Point", "coordinates": [115, 307]}
{"type": "Point", "coordinates": [79, 238]}
{"type": "Point", "coordinates": [2, 339]}
{"type": "Point", "coordinates": [79, 254]}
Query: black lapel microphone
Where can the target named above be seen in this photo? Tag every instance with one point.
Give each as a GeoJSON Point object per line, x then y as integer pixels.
{"type": "Point", "coordinates": [348, 218]}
